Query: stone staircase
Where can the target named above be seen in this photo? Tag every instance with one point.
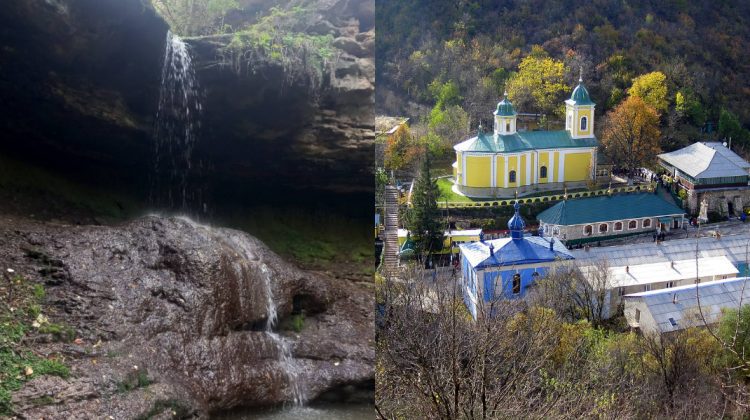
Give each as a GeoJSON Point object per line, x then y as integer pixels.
{"type": "Point", "coordinates": [390, 237]}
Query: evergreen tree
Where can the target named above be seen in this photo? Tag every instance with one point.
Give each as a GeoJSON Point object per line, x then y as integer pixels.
{"type": "Point", "coordinates": [423, 219]}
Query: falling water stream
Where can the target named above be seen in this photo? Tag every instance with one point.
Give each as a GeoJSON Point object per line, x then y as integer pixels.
{"type": "Point", "coordinates": [177, 128]}
{"type": "Point", "coordinates": [287, 362]}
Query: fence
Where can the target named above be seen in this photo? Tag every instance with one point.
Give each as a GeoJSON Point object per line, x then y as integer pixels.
{"type": "Point", "coordinates": [546, 198]}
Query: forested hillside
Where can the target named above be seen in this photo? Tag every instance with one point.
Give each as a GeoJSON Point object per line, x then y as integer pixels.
{"type": "Point", "coordinates": [472, 50]}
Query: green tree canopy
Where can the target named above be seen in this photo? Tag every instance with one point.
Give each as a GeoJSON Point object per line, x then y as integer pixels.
{"type": "Point", "coordinates": [423, 219]}
{"type": "Point", "coordinates": [445, 94]}
{"type": "Point", "coordinates": [195, 17]}
{"type": "Point", "coordinates": [730, 126]}
{"type": "Point", "coordinates": [539, 83]}
{"type": "Point", "coordinates": [652, 88]}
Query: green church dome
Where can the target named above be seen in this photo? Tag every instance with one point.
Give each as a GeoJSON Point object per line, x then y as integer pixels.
{"type": "Point", "coordinates": [580, 95]}
{"type": "Point", "coordinates": [505, 108]}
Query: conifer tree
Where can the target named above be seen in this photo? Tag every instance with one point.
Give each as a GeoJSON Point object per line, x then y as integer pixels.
{"type": "Point", "coordinates": [423, 219]}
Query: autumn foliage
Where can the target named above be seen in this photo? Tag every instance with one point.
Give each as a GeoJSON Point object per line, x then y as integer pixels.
{"type": "Point", "coordinates": [631, 134]}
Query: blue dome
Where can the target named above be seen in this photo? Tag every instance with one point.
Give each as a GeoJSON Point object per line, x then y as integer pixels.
{"type": "Point", "coordinates": [580, 95]}
{"type": "Point", "coordinates": [516, 224]}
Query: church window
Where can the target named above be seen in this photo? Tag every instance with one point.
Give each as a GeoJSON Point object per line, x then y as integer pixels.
{"type": "Point", "coordinates": [512, 176]}
{"type": "Point", "coordinates": [632, 224]}
{"type": "Point", "coordinates": [507, 127]}
{"type": "Point", "coordinates": [588, 230]}
{"type": "Point", "coordinates": [584, 123]}
{"type": "Point", "coordinates": [516, 284]}
{"type": "Point", "coordinates": [543, 172]}
{"type": "Point", "coordinates": [603, 228]}
{"type": "Point", "coordinates": [618, 226]}
{"type": "Point", "coordinates": [646, 223]}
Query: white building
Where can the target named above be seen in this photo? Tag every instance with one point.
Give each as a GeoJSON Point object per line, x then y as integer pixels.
{"type": "Point", "coordinates": [628, 279]}
{"type": "Point", "coordinates": [667, 310]}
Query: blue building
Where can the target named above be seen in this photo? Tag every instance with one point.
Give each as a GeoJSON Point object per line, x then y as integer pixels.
{"type": "Point", "coordinates": [505, 268]}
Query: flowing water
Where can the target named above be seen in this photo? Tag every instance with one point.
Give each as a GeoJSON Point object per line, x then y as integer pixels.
{"type": "Point", "coordinates": [317, 412]}
{"type": "Point", "coordinates": [287, 362]}
{"type": "Point", "coordinates": [176, 132]}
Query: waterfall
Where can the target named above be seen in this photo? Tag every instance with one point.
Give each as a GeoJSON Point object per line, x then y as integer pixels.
{"type": "Point", "coordinates": [176, 131]}
{"type": "Point", "coordinates": [287, 362]}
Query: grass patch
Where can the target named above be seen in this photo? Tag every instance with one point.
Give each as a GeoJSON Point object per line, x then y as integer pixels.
{"type": "Point", "coordinates": [317, 240]}
{"type": "Point", "coordinates": [19, 311]}
{"type": "Point", "coordinates": [445, 185]}
{"type": "Point", "coordinates": [134, 380]}
{"type": "Point", "coordinates": [60, 332]}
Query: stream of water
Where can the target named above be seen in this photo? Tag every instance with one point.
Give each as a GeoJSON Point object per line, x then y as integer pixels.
{"type": "Point", "coordinates": [287, 362]}
{"type": "Point", "coordinates": [177, 129]}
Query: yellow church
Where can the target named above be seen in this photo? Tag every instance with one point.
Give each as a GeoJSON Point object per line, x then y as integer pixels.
{"type": "Point", "coordinates": [506, 162]}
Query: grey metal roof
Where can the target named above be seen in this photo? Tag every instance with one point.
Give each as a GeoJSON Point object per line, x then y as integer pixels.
{"type": "Point", "coordinates": [677, 307]}
{"type": "Point", "coordinates": [706, 160]}
{"type": "Point", "coordinates": [727, 153]}
{"type": "Point", "coordinates": [736, 247]}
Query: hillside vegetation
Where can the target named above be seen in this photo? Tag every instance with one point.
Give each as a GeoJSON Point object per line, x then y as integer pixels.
{"type": "Point", "coordinates": [692, 53]}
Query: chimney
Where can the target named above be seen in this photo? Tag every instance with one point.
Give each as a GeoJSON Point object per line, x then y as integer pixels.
{"type": "Point", "coordinates": [492, 250]}
{"type": "Point", "coordinates": [627, 268]}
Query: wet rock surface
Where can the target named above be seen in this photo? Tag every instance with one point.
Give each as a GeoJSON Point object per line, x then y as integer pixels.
{"type": "Point", "coordinates": [177, 317]}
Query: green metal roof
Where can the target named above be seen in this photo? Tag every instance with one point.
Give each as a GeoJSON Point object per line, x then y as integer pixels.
{"type": "Point", "coordinates": [580, 96]}
{"type": "Point", "coordinates": [505, 108]}
{"type": "Point", "coordinates": [608, 208]}
{"type": "Point", "coordinates": [523, 140]}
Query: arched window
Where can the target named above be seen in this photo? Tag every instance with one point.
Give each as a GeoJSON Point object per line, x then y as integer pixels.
{"type": "Point", "coordinates": [516, 284]}
{"type": "Point", "coordinates": [584, 123]}
{"type": "Point", "coordinates": [646, 223]}
{"type": "Point", "coordinates": [632, 224]}
{"type": "Point", "coordinates": [618, 225]}
{"type": "Point", "coordinates": [603, 228]}
{"type": "Point", "coordinates": [507, 127]}
{"type": "Point", "coordinates": [543, 172]}
{"type": "Point", "coordinates": [512, 176]}
{"type": "Point", "coordinates": [556, 231]}
{"type": "Point", "coordinates": [587, 230]}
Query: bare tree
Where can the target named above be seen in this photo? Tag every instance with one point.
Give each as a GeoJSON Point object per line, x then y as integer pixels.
{"type": "Point", "coordinates": [577, 291]}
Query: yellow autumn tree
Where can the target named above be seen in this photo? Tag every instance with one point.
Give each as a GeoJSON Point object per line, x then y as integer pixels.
{"type": "Point", "coordinates": [401, 149]}
{"type": "Point", "coordinates": [539, 83]}
{"type": "Point", "coordinates": [652, 88]}
{"type": "Point", "coordinates": [631, 134]}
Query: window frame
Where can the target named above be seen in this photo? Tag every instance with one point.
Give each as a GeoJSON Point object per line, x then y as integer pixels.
{"type": "Point", "coordinates": [584, 123]}
{"type": "Point", "coordinates": [543, 172]}
{"type": "Point", "coordinates": [635, 224]}
{"type": "Point", "coordinates": [591, 230]}
{"type": "Point", "coordinates": [511, 176]}
{"type": "Point", "coordinates": [516, 286]}
{"type": "Point", "coordinates": [606, 228]}
{"type": "Point", "coordinates": [643, 223]}
{"type": "Point", "coordinates": [614, 226]}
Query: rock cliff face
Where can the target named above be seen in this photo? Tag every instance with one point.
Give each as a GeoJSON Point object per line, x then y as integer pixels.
{"type": "Point", "coordinates": [192, 309]}
{"type": "Point", "coordinates": [80, 86]}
